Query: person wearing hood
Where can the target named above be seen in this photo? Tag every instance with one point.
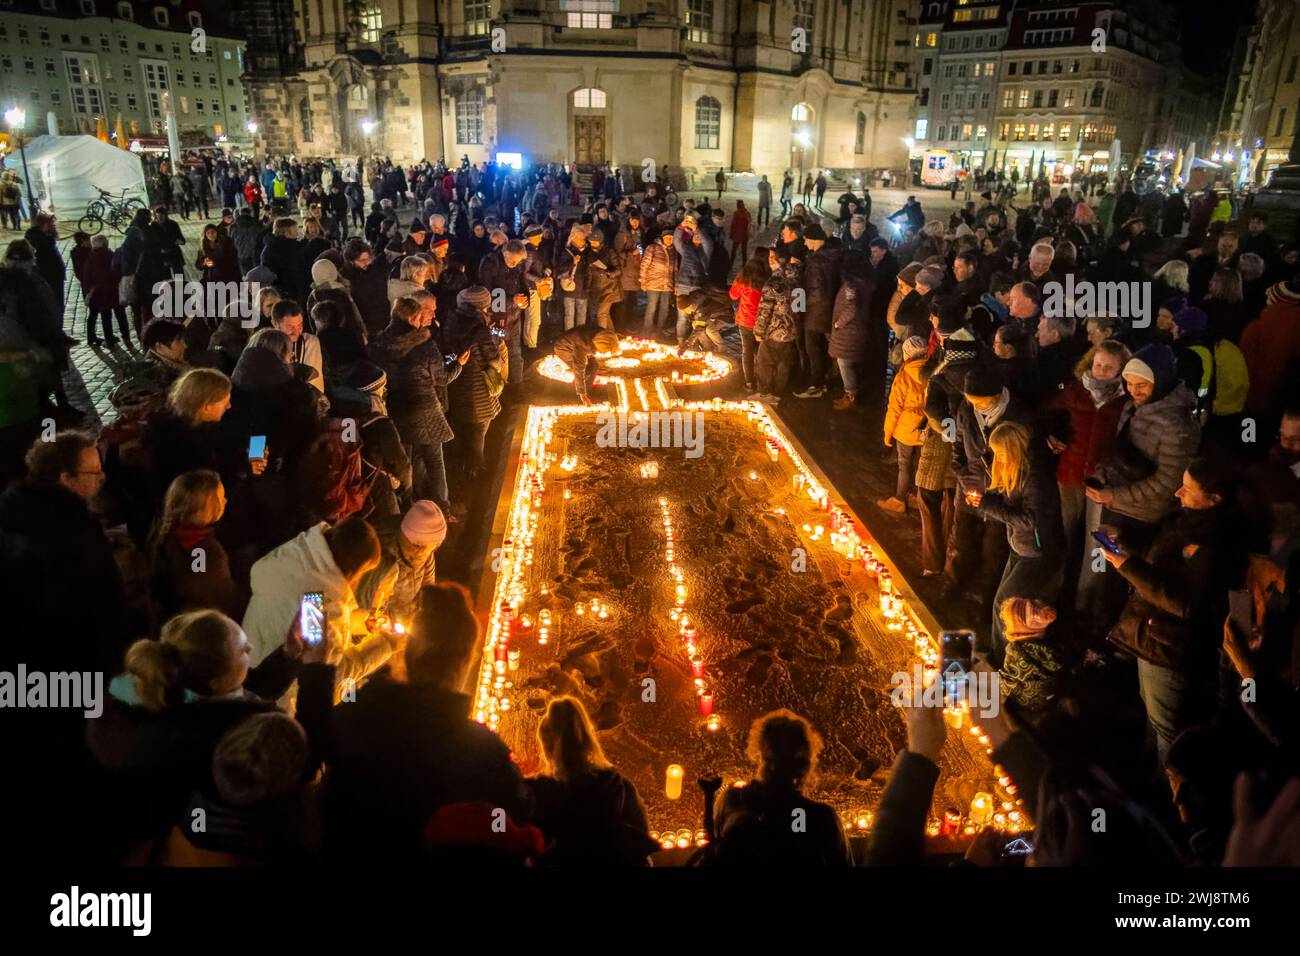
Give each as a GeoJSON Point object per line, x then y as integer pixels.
{"type": "Point", "coordinates": [1081, 430]}
{"type": "Point", "coordinates": [249, 236]}
{"type": "Point", "coordinates": [328, 286]}
{"type": "Point", "coordinates": [591, 814]}
{"type": "Point", "coordinates": [604, 281]}
{"type": "Point", "coordinates": [1172, 621]}
{"type": "Point", "coordinates": [366, 276]}
{"type": "Point", "coordinates": [905, 420]}
{"type": "Point", "coordinates": [416, 369]}
{"type": "Point", "coordinates": [694, 247]}
{"type": "Point", "coordinates": [474, 401]}
{"type": "Point", "coordinates": [578, 348]}
{"type": "Point", "coordinates": [408, 547]}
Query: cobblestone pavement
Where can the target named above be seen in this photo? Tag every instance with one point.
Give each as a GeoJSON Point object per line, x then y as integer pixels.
{"type": "Point", "coordinates": [95, 371]}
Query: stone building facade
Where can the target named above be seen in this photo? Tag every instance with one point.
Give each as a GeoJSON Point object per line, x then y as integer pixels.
{"type": "Point", "coordinates": [755, 85]}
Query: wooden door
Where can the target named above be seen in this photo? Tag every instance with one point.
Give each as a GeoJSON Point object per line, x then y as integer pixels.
{"type": "Point", "coordinates": [589, 140]}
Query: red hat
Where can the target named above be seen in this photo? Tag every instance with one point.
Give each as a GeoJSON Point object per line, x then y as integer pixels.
{"type": "Point", "coordinates": [441, 241]}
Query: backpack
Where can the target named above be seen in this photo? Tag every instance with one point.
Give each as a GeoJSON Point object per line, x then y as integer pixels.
{"type": "Point", "coordinates": [336, 479]}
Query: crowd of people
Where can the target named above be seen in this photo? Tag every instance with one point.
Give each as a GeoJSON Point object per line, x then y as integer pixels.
{"type": "Point", "coordinates": [1094, 490]}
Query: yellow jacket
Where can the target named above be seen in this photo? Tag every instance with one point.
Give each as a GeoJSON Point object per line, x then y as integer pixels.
{"type": "Point", "coordinates": [905, 417]}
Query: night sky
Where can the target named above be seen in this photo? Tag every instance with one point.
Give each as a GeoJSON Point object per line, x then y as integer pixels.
{"type": "Point", "coordinates": [1209, 29]}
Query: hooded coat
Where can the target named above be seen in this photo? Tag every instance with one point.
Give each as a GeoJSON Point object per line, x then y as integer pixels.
{"type": "Point", "coordinates": [776, 320]}
{"type": "Point", "coordinates": [466, 330]}
{"type": "Point", "coordinates": [851, 320]}
{"type": "Point", "coordinates": [1164, 434]}
{"type": "Point", "coordinates": [415, 370]}
{"type": "Point", "coordinates": [821, 278]}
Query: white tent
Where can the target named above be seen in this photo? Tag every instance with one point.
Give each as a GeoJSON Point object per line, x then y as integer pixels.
{"type": "Point", "coordinates": [66, 169]}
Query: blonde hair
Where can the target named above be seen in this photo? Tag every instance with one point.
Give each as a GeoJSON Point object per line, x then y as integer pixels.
{"type": "Point", "coordinates": [1009, 443]}
{"type": "Point", "coordinates": [267, 295]}
{"type": "Point", "coordinates": [1174, 274]}
{"type": "Point", "coordinates": [568, 739]}
{"type": "Point", "coordinates": [195, 389]}
{"type": "Point", "coordinates": [413, 266]}
{"type": "Point", "coordinates": [191, 653]}
{"type": "Point", "coordinates": [187, 495]}
{"type": "Point", "coordinates": [311, 228]}
{"type": "Point", "coordinates": [406, 308]}
{"type": "Point", "coordinates": [785, 748]}
{"type": "Point", "coordinates": [1110, 347]}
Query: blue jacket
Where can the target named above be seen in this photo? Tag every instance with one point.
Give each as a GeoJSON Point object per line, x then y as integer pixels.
{"type": "Point", "coordinates": [693, 267]}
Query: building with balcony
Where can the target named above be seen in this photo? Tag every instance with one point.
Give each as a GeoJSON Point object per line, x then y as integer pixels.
{"type": "Point", "coordinates": [757, 85]}
{"type": "Point", "coordinates": [83, 60]}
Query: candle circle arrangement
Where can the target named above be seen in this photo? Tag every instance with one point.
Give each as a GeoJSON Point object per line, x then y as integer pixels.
{"type": "Point", "coordinates": [643, 358]}
{"type": "Point", "coordinates": [588, 576]}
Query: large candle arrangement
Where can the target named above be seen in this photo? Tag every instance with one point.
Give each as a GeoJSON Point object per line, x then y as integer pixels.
{"type": "Point", "coordinates": [513, 634]}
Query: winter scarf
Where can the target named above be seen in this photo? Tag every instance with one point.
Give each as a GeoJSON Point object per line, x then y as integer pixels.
{"type": "Point", "coordinates": [1102, 392]}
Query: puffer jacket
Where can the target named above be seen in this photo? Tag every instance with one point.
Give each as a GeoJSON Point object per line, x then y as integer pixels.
{"type": "Point", "coordinates": [659, 268]}
{"type": "Point", "coordinates": [1032, 514]}
{"type": "Point", "coordinates": [466, 330]}
{"type": "Point", "coordinates": [415, 370]}
{"type": "Point", "coordinates": [1166, 434]}
{"type": "Point", "coordinates": [905, 417]}
{"type": "Point", "coordinates": [821, 277]}
{"type": "Point", "coordinates": [1091, 432]}
{"type": "Point", "coordinates": [776, 321]}
{"type": "Point", "coordinates": [625, 244]}
{"type": "Point", "coordinates": [1174, 614]}
{"type": "Point", "coordinates": [572, 263]}
{"type": "Point", "coordinates": [604, 284]}
{"type": "Point", "coordinates": [851, 320]}
{"type": "Point", "coordinates": [746, 303]}
{"type": "Point", "coordinates": [693, 262]}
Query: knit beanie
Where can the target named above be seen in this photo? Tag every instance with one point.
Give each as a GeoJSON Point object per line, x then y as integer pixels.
{"type": "Point", "coordinates": [322, 271]}
{"type": "Point", "coordinates": [1283, 292]}
{"type": "Point", "coordinates": [1156, 364]}
{"type": "Point", "coordinates": [424, 525]}
{"type": "Point", "coordinates": [914, 347]}
{"type": "Point", "coordinates": [476, 296]}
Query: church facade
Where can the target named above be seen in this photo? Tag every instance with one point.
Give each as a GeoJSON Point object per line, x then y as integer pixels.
{"type": "Point", "coordinates": [701, 85]}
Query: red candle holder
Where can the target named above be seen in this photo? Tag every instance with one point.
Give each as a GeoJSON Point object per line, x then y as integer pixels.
{"type": "Point", "coordinates": [706, 705]}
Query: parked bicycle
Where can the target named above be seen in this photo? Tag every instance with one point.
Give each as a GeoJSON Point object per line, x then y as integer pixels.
{"type": "Point", "coordinates": [116, 210]}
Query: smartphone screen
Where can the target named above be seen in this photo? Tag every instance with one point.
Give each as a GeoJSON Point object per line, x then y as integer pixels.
{"type": "Point", "coordinates": [957, 649]}
{"type": "Point", "coordinates": [257, 447]}
{"type": "Point", "coordinates": [1241, 610]}
{"type": "Point", "coordinates": [1106, 541]}
{"type": "Point", "coordinates": [311, 616]}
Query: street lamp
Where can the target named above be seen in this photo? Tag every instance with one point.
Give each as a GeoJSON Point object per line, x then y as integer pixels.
{"type": "Point", "coordinates": [16, 117]}
{"type": "Point", "coordinates": [251, 126]}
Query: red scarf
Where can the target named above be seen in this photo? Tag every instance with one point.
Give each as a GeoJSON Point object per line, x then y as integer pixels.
{"type": "Point", "coordinates": [190, 536]}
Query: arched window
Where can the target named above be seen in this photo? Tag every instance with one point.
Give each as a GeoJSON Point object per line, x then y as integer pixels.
{"type": "Point", "coordinates": [708, 122]}
{"type": "Point", "coordinates": [469, 117]}
{"type": "Point", "coordinates": [125, 11]}
{"type": "Point", "coordinates": [304, 119]}
{"type": "Point", "coordinates": [589, 98]}
{"type": "Point", "coordinates": [860, 137]}
{"type": "Point", "coordinates": [160, 16]}
{"type": "Point", "coordinates": [195, 18]}
{"type": "Point", "coordinates": [801, 113]}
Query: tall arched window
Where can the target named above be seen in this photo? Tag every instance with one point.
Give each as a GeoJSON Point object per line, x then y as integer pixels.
{"type": "Point", "coordinates": [469, 117]}
{"type": "Point", "coordinates": [589, 98]}
{"type": "Point", "coordinates": [860, 137]}
{"type": "Point", "coordinates": [801, 113]}
{"type": "Point", "coordinates": [304, 119]}
{"type": "Point", "coordinates": [708, 122]}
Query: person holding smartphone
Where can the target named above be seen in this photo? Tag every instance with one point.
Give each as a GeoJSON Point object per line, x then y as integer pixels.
{"type": "Point", "coordinates": [1173, 618]}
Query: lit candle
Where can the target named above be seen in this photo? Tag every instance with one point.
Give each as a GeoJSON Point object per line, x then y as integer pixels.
{"type": "Point", "coordinates": [697, 665]}
{"type": "Point", "coordinates": [753, 476]}
{"type": "Point", "coordinates": [706, 704]}
{"type": "Point", "coordinates": [713, 722]}
{"type": "Point", "coordinates": [981, 808]}
{"type": "Point", "coordinates": [567, 494]}
{"type": "Point", "coordinates": [513, 658]}
{"type": "Point", "coordinates": [673, 786]}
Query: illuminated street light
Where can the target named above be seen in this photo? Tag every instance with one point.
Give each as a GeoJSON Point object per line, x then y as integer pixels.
{"type": "Point", "coordinates": [251, 126]}
{"type": "Point", "coordinates": [367, 126]}
{"type": "Point", "coordinates": [909, 142]}
{"type": "Point", "coordinates": [16, 118]}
